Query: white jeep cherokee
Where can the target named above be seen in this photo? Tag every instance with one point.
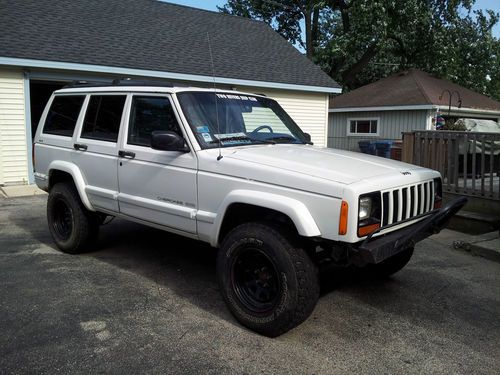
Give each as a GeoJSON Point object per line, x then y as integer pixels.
{"type": "Point", "coordinates": [234, 170]}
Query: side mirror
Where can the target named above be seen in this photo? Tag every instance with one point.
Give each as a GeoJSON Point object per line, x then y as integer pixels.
{"type": "Point", "coordinates": [307, 136]}
{"type": "Point", "coordinates": [168, 141]}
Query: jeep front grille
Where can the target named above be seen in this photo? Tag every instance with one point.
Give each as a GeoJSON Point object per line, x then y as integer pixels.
{"type": "Point", "coordinates": [406, 202]}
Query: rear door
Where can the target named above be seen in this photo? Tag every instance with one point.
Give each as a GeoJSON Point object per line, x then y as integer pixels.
{"type": "Point", "coordinates": [156, 186]}
{"type": "Point", "coordinates": [96, 148]}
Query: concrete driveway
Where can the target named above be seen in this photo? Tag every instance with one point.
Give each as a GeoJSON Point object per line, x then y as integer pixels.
{"type": "Point", "coordinates": [146, 301]}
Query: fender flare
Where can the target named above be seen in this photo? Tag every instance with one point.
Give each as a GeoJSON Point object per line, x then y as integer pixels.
{"type": "Point", "coordinates": [293, 208]}
{"type": "Point", "coordinates": [77, 176]}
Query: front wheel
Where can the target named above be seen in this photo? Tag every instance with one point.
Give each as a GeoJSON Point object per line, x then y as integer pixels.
{"type": "Point", "coordinates": [268, 283]}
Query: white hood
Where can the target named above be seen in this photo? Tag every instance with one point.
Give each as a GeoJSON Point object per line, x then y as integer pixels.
{"type": "Point", "coordinates": [335, 165]}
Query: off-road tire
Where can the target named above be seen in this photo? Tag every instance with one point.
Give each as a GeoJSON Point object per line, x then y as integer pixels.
{"type": "Point", "coordinates": [79, 229]}
{"type": "Point", "coordinates": [391, 265]}
{"type": "Point", "coordinates": [296, 277]}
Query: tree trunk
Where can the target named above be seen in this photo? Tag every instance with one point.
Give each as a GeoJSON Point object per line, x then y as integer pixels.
{"type": "Point", "coordinates": [309, 46]}
{"type": "Point", "coordinates": [350, 74]}
{"type": "Point", "coordinates": [315, 29]}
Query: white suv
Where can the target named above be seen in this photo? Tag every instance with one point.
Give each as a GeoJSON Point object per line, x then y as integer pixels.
{"type": "Point", "coordinates": [234, 170]}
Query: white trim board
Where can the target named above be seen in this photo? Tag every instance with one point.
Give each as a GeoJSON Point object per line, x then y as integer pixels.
{"type": "Point", "coordinates": [30, 63]}
{"type": "Point", "coordinates": [387, 108]}
{"type": "Point", "coordinates": [443, 109]}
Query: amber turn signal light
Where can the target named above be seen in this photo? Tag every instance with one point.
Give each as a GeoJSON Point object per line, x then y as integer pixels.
{"type": "Point", "coordinates": [367, 229]}
{"type": "Point", "coordinates": [344, 209]}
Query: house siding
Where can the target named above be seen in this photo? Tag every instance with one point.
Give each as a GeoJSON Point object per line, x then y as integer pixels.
{"type": "Point", "coordinates": [391, 125]}
{"type": "Point", "coordinates": [13, 148]}
{"type": "Point", "coordinates": [308, 110]}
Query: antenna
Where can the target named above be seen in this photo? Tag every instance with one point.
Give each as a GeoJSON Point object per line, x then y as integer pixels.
{"type": "Point", "coordinates": [215, 96]}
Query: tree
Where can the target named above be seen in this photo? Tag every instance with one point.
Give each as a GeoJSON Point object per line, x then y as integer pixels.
{"type": "Point", "coordinates": [285, 16]}
{"type": "Point", "coordinates": [360, 41]}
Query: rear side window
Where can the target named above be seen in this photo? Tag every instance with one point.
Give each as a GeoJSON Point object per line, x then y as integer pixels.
{"type": "Point", "coordinates": [63, 114]}
{"type": "Point", "coordinates": [148, 115]}
{"type": "Point", "coordinates": [103, 117]}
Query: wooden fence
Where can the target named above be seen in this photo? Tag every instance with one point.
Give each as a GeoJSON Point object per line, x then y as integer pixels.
{"type": "Point", "coordinates": [469, 162]}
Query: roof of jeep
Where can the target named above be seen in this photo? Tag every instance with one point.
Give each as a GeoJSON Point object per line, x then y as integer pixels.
{"type": "Point", "coordinates": [167, 89]}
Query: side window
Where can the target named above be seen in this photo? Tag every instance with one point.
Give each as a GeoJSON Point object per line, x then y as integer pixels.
{"type": "Point", "coordinates": [102, 120]}
{"type": "Point", "coordinates": [63, 114]}
{"type": "Point", "coordinates": [149, 114]}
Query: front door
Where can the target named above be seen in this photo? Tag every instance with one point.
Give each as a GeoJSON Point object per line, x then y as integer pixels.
{"type": "Point", "coordinates": [156, 186]}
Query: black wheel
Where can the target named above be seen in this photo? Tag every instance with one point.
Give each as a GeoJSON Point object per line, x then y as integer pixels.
{"type": "Point", "coordinates": [268, 283]}
{"type": "Point", "coordinates": [72, 226]}
{"type": "Point", "coordinates": [391, 265]}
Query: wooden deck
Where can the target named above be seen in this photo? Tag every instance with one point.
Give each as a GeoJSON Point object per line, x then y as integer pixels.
{"type": "Point", "coordinates": [469, 162]}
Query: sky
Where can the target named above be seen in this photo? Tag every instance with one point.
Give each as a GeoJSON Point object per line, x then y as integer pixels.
{"type": "Point", "coordinates": [212, 5]}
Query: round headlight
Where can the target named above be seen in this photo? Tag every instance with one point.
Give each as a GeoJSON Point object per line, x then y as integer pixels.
{"type": "Point", "coordinates": [365, 208]}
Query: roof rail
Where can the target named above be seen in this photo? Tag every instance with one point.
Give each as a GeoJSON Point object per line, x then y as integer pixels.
{"type": "Point", "coordinates": [121, 82]}
{"type": "Point", "coordinates": [133, 82]}
{"type": "Point", "coordinates": [82, 83]}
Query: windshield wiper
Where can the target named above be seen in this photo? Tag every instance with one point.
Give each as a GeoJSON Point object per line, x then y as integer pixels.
{"type": "Point", "coordinates": [282, 138]}
{"type": "Point", "coordinates": [288, 138]}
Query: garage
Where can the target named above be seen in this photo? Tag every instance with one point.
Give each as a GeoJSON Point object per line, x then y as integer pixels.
{"type": "Point", "coordinates": [22, 100]}
{"type": "Point", "coordinates": [46, 45]}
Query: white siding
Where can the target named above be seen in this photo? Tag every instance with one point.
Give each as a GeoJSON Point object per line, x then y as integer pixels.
{"type": "Point", "coordinates": [308, 110]}
{"type": "Point", "coordinates": [13, 149]}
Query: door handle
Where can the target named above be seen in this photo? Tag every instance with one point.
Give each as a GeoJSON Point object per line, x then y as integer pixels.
{"type": "Point", "coordinates": [126, 154]}
{"type": "Point", "coordinates": [80, 147]}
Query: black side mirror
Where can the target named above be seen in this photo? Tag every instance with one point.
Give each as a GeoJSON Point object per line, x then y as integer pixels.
{"type": "Point", "coordinates": [307, 136]}
{"type": "Point", "coordinates": [168, 141]}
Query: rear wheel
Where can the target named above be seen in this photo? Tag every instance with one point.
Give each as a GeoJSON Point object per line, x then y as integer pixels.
{"type": "Point", "coordinates": [269, 283]}
{"type": "Point", "coordinates": [72, 226]}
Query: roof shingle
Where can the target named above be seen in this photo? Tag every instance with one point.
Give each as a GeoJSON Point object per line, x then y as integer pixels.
{"type": "Point", "coordinates": [152, 35]}
{"type": "Point", "coordinates": [412, 87]}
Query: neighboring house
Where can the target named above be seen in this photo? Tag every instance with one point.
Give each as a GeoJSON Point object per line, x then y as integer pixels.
{"type": "Point", "coordinates": [402, 102]}
{"type": "Point", "coordinates": [45, 44]}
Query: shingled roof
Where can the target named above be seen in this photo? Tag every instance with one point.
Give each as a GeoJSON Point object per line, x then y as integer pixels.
{"type": "Point", "coordinates": [152, 35]}
{"type": "Point", "coordinates": [412, 87]}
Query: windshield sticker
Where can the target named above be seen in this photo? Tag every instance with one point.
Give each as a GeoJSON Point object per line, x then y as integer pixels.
{"type": "Point", "coordinates": [235, 142]}
{"type": "Point", "coordinates": [206, 137]}
{"type": "Point", "coordinates": [230, 135]}
{"type": "Point", "coordinates": [236, 97]}
{"type": "Point", "coordinates": [202, 129]}
{"type": "Point", "coordinates": [233, 138]}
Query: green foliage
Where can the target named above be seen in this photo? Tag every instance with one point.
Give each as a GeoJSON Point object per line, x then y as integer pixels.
{"type": "Point", "coordinates": [359, 41]}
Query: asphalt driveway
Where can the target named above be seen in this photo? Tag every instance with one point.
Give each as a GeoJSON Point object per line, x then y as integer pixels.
{"type": "Point", "coordinates": [147, 301]}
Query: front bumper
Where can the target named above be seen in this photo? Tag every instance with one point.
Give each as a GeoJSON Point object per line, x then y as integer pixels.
{"type": "Point", "coordinates": [375, 250]}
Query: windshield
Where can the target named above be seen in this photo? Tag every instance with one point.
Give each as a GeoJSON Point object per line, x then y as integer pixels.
{"type": "Point", "coordinates": [242, 120]}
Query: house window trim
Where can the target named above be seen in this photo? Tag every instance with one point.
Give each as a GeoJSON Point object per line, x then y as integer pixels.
{"type": "Point", "coordinates": [349, 134]}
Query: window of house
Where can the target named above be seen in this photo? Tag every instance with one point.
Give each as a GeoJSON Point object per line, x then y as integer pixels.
{"type": "Point", "coordinates": [365, 126]}
{"type": "Point", "coordinates": [103, 117]}
{"type": "Point", "coordinates": [150, 114]}
{"type": "Point", "coordinates": [63, 114]}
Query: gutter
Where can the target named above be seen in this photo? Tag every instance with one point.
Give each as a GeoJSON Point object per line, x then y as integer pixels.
{"type": "Point", "coordinates": [59, 65]}
{"type": "Point", "coordinates": [490, 112]}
